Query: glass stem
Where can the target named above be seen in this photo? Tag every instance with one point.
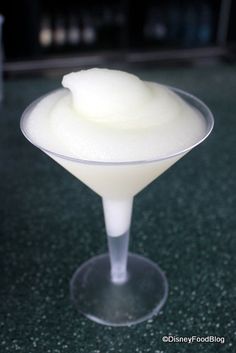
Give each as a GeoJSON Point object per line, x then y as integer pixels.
{"type": "Point", "coordinates": [118, 253]}
{"type": "Point", "coordinates": [117, 220]}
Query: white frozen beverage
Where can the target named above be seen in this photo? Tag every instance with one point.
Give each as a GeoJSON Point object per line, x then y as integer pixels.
{"type": "Point", "coordinates": [111, 117]}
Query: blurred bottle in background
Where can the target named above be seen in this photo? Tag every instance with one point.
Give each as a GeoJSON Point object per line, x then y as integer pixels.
{"type": "Point", "coordinates": [189, 24]}
{"type": "Point", "coordinates": [184, 23]}
{"type": "Point", "coordinates": [172, 24]}
{"type": "Point", "coordinates": [45, 32]}
{"type": "Point", "coordinates": [73, 31]}
{"type": "Point", "coordinates": [174, 19]}
{"type": "Point", "coordinates": [1, 58]}
{"type": "Point", "coordinates": [155, 28]}
{"type": "Point", "coordinates": [59, 32]}
{"type": "Point", "coordinates": [89, 31]}
{"type": "Point", "coordinates": [205, 24]}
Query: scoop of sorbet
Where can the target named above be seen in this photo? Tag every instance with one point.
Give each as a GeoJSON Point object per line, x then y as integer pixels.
{"type": "Point", "coordinates": [113, 116]}
{"type": "Point", "coordinates": [102, 94]}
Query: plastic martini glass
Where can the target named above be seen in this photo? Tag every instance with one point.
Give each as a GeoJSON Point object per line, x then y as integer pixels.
{"type": "Point", "coordinates": [119, 288]}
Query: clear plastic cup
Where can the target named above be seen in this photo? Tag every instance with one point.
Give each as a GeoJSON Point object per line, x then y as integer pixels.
{"type": "Point", "coordinates": [119, 288]}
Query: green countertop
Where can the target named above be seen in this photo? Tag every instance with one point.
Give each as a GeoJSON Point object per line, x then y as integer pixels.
{"type": "Point", "coordinates": [184, 221]}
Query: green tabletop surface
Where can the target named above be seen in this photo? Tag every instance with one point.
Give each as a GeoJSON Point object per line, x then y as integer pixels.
{"type": "Point", "coordinates": [185, 221]}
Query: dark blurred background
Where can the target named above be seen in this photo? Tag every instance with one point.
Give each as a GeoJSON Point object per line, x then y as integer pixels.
{"type": "Point", "coordinates": [50, 222]}
{"type": "Point", "coordinates": [43, 35]}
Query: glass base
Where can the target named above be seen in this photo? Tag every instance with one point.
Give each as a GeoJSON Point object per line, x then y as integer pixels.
{"type": "Point", "coordinates": [138, 299]}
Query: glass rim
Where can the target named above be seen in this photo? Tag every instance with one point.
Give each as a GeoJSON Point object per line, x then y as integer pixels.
{"type": "Point", "coordinates": [208, 117]}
